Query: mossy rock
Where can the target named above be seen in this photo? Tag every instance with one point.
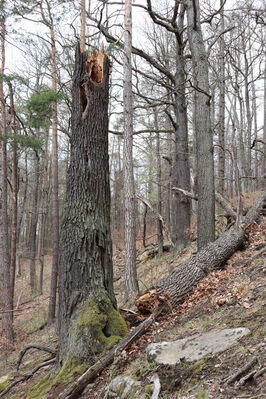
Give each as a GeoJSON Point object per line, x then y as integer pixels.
{"type": "Point", "coordinates": [97, 327]}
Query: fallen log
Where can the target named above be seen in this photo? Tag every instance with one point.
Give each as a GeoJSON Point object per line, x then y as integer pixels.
{"type": "Point", "coordinates": [184, 278]}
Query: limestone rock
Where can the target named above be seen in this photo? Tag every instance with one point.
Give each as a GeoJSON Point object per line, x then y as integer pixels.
{"type": "Point", "coordinates": [195, 347]}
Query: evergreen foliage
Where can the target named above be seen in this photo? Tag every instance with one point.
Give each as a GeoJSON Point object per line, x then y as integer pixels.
{"type": "Point", "coordinates": [39, 108]}
{"type": "Point", "coordinates": [23, 141]}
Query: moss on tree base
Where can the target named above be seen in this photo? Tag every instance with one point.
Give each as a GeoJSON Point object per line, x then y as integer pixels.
{"type": "Point", "coordinates": [97, 327]}
{"type": "Point", "coordinates": [71, 368]}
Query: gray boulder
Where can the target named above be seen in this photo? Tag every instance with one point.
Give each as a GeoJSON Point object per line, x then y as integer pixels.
{"type": "Point", "coordinates": [194, 347]}
{"type": "Point", "coordinates": [122, 387]}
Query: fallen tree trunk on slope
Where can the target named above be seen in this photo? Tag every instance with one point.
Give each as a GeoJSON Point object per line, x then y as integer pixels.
{"type": "Point", "coordinates": [184, 278]}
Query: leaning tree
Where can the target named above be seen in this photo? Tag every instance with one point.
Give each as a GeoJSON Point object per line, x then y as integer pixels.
{"type": "Point", "coordinates": [88, 320]}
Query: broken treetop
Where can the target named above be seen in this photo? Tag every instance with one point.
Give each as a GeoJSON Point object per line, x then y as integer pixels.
{"type": "Point", "coordinates": [94, 65]}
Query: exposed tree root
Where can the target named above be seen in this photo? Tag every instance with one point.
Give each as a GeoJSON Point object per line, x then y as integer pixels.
{"type": "Point", "coordinates": [33, 346]}
{"type": "Point", "coordinates": [25, 377]}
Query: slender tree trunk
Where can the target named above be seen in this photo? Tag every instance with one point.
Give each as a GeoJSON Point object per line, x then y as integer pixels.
{"type": "Point", "coordinates": [43, 212]}
{"type": "Point", "coordinates": [86, 296]}
{"type": "Point", "coordinates": [7, 292]}
{"type": "Point", "coordinates": [33, 276]}
{"type": "Point", "coordinates": [118, 190]}
{"type": "Point", "coordinates": [264, 133]}
{"type": "Point", "coordinates": [180, 174]}
{"type": "Point", "coordinates": [144, 225]}
{"type": "Point", "coordinates": [159, 185]}
{"type": "Point", "coordinates": [55, 203]}
{"type": "Point", "coordinates": [82, 25]}
{"type": "Point", "coordinates": [205, 167]}
{"type": "Point", "coordinates": [221, 132]}
{"type": "Point", "coordinates": [249, 123]}
{"type": "Point", "coordinates": [169, 184]}
{"type": "Point", "coordinates": [24, 200]}
{"type": "Point", "coordinates": [14, 195]}
{"type": "Point", "coordinates": [29, 223]}
{"type": "Point", "coordinates": [131, 282]}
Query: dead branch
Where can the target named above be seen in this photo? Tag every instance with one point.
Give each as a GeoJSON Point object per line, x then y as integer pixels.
{"type": "Point", "coordinates": [78, 386]}
{"type": "Point", "coordinates": [186, 193]}
{"type": "Point", "coordinates": [259, 372]}
{"type": "Point", "coordinates": [33, 346]}
{"type": "Point", "coordinates": [218, 197]}
{"type": "Point", "coordinates": [25, 377]}
{"type": "Point", "coordinates": [240, 372]}
{"type": "Point", "coordinates": [244, 379]}
{"type": "Point", "coordinates": [145, 202]}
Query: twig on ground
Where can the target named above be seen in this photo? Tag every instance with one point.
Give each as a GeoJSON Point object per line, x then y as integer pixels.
{"type": "Point", "coordinates": [240, 372]}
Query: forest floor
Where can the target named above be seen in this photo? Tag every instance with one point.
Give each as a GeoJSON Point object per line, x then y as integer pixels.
{"type": "Point", "coordinates": [232, 297]}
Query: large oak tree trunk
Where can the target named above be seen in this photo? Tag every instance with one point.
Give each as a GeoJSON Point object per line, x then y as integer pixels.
{"type": "Point", "coordinates": [86, 297]}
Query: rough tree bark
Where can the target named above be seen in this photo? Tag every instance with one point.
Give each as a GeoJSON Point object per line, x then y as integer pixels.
{"type": "Point", "coordinates": [88, 321]}
{"type": "Point", "coordinates": [204, 139]}
{"type": "Point", "coordinates": [180, 173]}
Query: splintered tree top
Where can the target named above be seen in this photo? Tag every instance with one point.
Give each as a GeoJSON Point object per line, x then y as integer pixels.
{"type": "Point", "coordinates": [94, 65]}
